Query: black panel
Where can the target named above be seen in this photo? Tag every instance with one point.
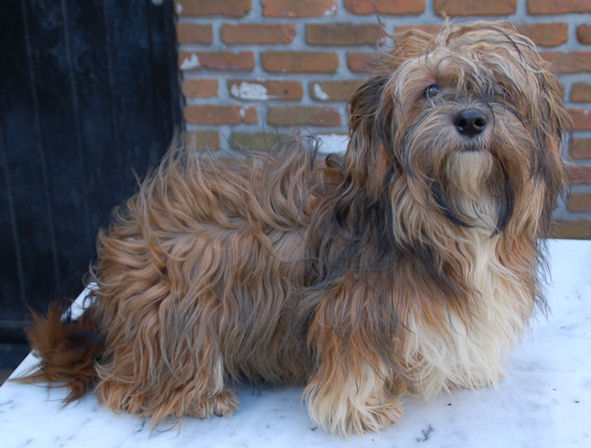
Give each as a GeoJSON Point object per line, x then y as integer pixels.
{"type": "Point", "coordinates": [24, 174]}
{"type": "Point", "coordinates": [59, 146]}
{"type": "Point", "coordinates": [89, 99]}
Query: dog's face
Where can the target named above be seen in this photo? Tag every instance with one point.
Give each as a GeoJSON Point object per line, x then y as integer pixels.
{"type": "Point", "coordinates": [471, 117]}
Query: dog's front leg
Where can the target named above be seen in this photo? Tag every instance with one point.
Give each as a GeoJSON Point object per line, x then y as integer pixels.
{"type": "Point", "coordinates": [352, 389]}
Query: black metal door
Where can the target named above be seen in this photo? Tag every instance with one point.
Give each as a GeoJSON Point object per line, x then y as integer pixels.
{"type": "Point", "coordinates": [89, 99]}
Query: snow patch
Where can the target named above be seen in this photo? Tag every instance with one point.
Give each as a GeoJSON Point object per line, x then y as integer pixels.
{"type": "Point", "coordinates": [190, 62]}
{"type": "Point", "coordinates": [333, 143]}
{"type": "Point", "coordinates": [249, 91]}
{"type": "Point", "coordinates": [319, 93]}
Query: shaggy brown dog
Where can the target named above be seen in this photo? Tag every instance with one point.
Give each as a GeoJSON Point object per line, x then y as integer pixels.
{"type": "Point", "coordinates": [407, 266]}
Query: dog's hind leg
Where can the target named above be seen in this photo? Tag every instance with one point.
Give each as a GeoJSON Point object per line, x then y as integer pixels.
{"type": "Point", "coordinates": [160, 322]}
{"type": "Point", "coordinates": [152, 378]}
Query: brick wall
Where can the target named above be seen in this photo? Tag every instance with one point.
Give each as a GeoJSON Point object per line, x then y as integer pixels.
{"type": "Point", "coordinates": [253, 69]}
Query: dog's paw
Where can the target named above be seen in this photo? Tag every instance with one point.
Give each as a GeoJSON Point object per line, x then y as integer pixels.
{"type": "Point", "coordinates": [356, 419]}
{"type": "Point", "coordinates": [224, 403]}
{"type": "Point", "coordinates": [372, 418]}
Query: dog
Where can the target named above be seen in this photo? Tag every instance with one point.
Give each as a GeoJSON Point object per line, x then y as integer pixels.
{"type": "Point", "coordinates": [408, 265]}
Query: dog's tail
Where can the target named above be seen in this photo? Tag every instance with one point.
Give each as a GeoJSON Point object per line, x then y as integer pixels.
{"type": "Point", "coordinates": [67, 349]}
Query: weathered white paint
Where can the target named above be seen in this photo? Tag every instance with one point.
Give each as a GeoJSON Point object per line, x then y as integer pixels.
{"type": "Point", "coordinates": [190, 62]}
{"type": "Point", "coordinates": [249, 91]}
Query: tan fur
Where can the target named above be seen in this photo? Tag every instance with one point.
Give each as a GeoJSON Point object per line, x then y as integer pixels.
{"type": "Point", "coordinates": [410, 265]}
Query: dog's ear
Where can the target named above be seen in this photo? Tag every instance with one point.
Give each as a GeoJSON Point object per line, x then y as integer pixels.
{"type": "Point", "coordinates": [371, 155]}
{"type": "Point", "coordinates": [367, 161]}
{"type": "Point", "coordinates": [558, 123]}
{"type": "Point", "coordinates": [364, 104]}
{"type": "Point", "coordinates": [552, 131]}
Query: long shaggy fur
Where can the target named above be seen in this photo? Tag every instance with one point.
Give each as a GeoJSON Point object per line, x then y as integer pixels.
{"type": "Point", "coordinates": [410, 265]}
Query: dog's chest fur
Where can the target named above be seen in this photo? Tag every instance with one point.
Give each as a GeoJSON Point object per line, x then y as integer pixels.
{"type": "Point", "coordinates": [466, 347]}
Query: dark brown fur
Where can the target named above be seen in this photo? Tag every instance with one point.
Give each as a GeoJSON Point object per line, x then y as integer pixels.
{"type": "Point", "coordinates": [68, 349]}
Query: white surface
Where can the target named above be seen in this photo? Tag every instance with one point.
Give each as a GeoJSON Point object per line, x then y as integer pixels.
{"type": "Point", "coordinates": [543, 402]}
{"type": "Point", "coordinates": [333, 143]}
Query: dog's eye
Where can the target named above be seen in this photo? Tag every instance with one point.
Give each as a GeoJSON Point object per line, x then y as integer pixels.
{"type": "Point", "coordinates": [431, 91]}
{"type": "Point", "coordinates": [504, 90]}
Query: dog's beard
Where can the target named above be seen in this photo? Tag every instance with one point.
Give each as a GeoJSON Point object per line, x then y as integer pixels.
{"type": "Point", "coordinates": [474, 180]}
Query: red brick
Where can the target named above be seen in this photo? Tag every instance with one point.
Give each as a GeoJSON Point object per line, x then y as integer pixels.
{"type": "Point", "coordinates": [257, 141]}
{"type": "Point", "coordinates": [231, 8]}
{"type": "Point", "coordinates": [343, 34]}
{"type": "Point", "coordinates": [431, 29]}
{"type": "Point", "coordinates": [568, 62]}
{"type": "Point", "coordinates": [216, 60]}
{"type": "Point", "coordinates": [474, 7]}
{"type": "Point", "coordinates": [584, 34]}
{"type": "Point", "coordinates": [579, 202]}
{"type": "Point", "coordinates": [545, 34]}
{"type": "Point", "coordinates": [194, 33]}
{"type": "Point", "coordinates": [303, 116]}
{"type": "Point", "coordinates": [580, 148]}
{"type": "Point", "coordinates": [333, 90]}
{"type": "Point", "coordinates": [257, 33]}
{"type": "Point", "coordinates": [581, 92]}
{"type": "Point", "coordinates": [388, 7]}
{"type": "Point", "coordinates": [220, 115]}
{"type": "Point", "coordinates": [358, 61]}
{"type": "Point", "coordinates": [203, 140]}
{"type": "Point", "coordinates": [578, 174]}
{"type": "Point", "coordinates": [248, 89]}
{"type": "Point", "coordinates": [581, 119]}
{"type": "Point", "coordinates": [557, 6]}
{"type": "Point", "coordinates": [299, 8]}
{"type": "Point", "coordinates": [574, 229]}
{"type": "Point", "coordinates": [299, 62]}
{"type": "Point", "coordinates": [200, 88]}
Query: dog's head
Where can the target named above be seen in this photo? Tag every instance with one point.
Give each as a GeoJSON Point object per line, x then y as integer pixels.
{"type": "Point", "coordinates": [470, 119]}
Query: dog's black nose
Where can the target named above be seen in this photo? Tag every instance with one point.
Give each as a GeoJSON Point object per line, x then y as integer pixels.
{"type": "Point", "coordinates": [470, 122]}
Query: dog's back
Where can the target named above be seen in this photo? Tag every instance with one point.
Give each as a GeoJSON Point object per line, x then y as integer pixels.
{"type": "Point", "coordinates": [199, 272]}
